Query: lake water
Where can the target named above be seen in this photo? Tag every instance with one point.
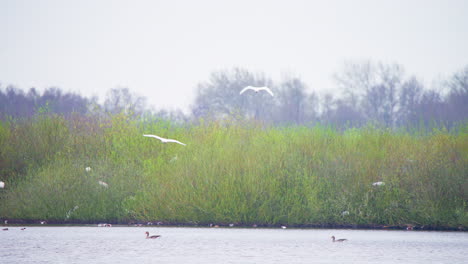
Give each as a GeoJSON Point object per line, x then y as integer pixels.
{"type": "Point", "coordinates": [228, 245]}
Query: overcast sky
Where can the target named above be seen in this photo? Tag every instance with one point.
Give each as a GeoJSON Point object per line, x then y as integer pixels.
{"type": "Point", "coordinates": [163, 49]}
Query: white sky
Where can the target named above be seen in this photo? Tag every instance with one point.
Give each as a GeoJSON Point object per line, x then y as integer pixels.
{"type": "Point", "coordinates": [163, 49]}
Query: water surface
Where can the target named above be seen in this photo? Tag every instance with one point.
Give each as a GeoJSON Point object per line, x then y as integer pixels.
{"type": "Point", "coordinates": [228, 245]}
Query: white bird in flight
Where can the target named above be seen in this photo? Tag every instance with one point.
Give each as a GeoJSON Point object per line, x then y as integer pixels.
{"type": "Point", "coordinates": [257, 89]}
{"type": "Point", "coordinates": [165, 140]}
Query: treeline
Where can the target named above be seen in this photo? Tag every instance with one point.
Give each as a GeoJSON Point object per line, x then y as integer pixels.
{"type": "Point", "coordinates": [368, 92]}
{"type": "Point", "coordinates": [374, 93]}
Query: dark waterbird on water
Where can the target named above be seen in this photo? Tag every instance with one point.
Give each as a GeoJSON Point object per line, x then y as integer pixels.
{"type": "Point", "coordinates": [338, 240]}
{"type": "Point", "coordinates": [148, 236]}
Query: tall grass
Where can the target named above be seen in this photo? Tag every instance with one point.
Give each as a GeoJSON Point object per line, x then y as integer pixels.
{"type": "Point", "coordinates": [230, 172]}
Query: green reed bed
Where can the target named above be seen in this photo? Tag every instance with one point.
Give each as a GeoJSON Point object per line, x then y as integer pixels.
{"type": "Point", "coordinates": [230, 172]}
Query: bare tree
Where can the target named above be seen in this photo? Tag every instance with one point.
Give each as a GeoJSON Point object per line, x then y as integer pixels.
{"type": "Point", "coordinates": [121, 100]}
{"type": "Point", "coordinates": [374, 89]}
{"type": "Point", "coordinates": [56, 101]}
{"type": "Point", "coordinates": [340, 113]}
{"type": "Point", "coordinates": [431, 109]}
{"type": "Point", "coordinates": [410, 97]}
{"type": "Point", "coordinates": [15, 103]}
{"type": "Point", "coordinates": [457, 98]}
{"type": "Point", "coordinates": [295, 105]}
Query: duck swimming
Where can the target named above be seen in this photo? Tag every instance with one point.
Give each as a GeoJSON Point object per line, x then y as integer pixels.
{"type": "Point", "coordinates": [338, 240]}
{"type": "Point", "coordinates": [148, 236]}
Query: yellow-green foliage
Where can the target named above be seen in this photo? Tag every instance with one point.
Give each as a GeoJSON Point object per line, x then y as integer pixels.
{"type": "Point", "coordinates": [231, 173]}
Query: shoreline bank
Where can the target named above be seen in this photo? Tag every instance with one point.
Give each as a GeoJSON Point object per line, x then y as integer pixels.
{"type": "Point", "coordinates": [33, 222]}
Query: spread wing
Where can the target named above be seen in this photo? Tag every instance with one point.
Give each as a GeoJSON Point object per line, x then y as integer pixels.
{"type": "Point", "coordinates": [267, 90]}
{"type": "Point", "coordinates": [246, 88]}
{"type": "Point", "coordinates": [175, 141]}
{"type": "Point", "coordinates": [165, 140]}
{"type": "Point", "coordinates": [154, 136]}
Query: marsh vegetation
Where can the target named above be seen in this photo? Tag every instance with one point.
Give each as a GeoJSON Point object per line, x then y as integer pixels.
{"type": "Point", "coordinates": [231, 171]}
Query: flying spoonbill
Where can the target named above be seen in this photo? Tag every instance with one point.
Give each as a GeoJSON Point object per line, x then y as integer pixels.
{"type": "Point", "coordinates": [165, 140]}
{"type": "Point", "coordinates": [257, 89]}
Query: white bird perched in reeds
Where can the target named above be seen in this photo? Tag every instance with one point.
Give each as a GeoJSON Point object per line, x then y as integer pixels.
{"type": "Point", "coordinates": [165, 140]}
{"type": "Point", "coordinates": [257, 89]}
{"type": "Point", "coordinates": [378, 184]}
{"type": "Point", "coordinates": [103, 184]}
{"type": "Point", "coordinates": [2, 184]}
{"type": "Point", "coordinates": [71, 211]}
{"type": "Point", "coordinates": [88, 169]}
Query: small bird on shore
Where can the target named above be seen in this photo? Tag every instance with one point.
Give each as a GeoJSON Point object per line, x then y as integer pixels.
{"type": "Point", "coordinates": [151, 237]}
{"type": "Point", "coordinates": [23, 228]}
{"type": "Point", "coordinates": [338, 240]}
{"type": "Point", "coordinates": [257, 89]}
{"type": "Point", "coordinates": [165, 140]}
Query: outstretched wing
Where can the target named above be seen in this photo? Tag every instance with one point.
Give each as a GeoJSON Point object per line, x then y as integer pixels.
{"type": "Point", "coordinates": [246, 88]}
{"type": "Point", "coordinates": [175, 141]}
{"type": "Point", "coordinates": [154, 136]}
{"type": "Point", "coordinates": [267, 90]}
